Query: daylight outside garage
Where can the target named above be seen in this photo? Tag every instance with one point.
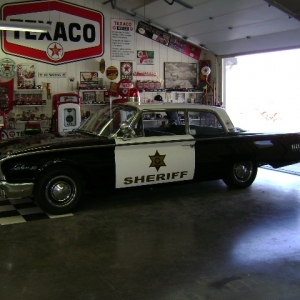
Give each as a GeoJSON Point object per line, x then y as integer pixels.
{"type": "Point", "coordinates": [262, 91]}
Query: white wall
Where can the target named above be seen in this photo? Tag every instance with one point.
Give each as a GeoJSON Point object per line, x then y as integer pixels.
{"type": "Point", "coordinates": [162, 54]}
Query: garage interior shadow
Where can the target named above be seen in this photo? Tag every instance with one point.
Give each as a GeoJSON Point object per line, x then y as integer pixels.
{"type": "Point", "coordinates": [188, 241]}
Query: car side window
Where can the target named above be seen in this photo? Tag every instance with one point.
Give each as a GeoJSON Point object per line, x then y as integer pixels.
{"type": "Point", "coordinates": [162, 123]}
{"type": "Point", "coordinates": [204, 124]}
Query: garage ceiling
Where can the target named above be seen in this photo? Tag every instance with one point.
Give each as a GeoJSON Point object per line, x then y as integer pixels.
{"type": "Point", "coordinates": [225, 27]}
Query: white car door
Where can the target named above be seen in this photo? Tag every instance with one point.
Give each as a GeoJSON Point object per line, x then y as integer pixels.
{"type": "Point", "coordinates": [155, 159]}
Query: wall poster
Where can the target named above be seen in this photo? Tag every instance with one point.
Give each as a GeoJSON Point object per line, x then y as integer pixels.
{"type": "Point", "coordinates": [26, 76]}
{"type": "Point", "coordinates": [145, 57]}
{"type": "Point", "coordinates": [122, 39]}
{"type": "Point", "coordinates": [89, 77]}
{"type": "Point", "coordinates": [180, 75]}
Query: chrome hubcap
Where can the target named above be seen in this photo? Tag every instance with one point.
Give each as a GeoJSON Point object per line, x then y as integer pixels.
{"type": "Point", "coordinates": [243, 171]}
{"type": "Point", "coordinates": [61, 191]}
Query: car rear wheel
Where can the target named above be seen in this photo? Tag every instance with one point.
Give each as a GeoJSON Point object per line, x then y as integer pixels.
{"type": "Point", "coordinates": [241, 174]}
{"type": "Point", "coordinates": [58, 191]}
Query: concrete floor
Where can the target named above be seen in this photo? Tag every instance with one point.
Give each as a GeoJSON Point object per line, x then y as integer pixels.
{"type": "Point", "coordinates": [187, 242]}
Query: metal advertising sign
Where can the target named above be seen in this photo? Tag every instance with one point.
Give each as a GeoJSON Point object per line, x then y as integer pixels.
{"type": "Point", "coordinates": [153, 33]}
{"type": "Point", "coordinates": [76, 32]}
{"type": "Point", "coordinates": [122, 39]}
{"type": "Point", "coordinates": [169, 40]}
{"type": "Point", "coordinates": [145, 57]}
{"type": "Point", "coordinates": [126, 70]}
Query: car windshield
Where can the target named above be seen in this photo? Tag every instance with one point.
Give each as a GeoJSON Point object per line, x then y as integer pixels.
{"type": "Point", "coordinates": [107, 120]}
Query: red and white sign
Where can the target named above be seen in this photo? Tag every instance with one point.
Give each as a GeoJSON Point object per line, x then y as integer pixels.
{"type": "Point", "coordinates": [122, 39]}
{"type": "Point", "coordinates": [76, 32]}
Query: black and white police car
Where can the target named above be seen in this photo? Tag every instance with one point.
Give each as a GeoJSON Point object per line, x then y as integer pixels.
{"type": "Point", "coordinates": [130, 145]}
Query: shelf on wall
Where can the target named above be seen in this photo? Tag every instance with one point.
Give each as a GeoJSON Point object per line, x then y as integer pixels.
{"type": "Point", "coordinates": [136, 73]}
{"type": "Point", "coordinates": [29, 90]}
{"type": "Point", "coordinates": [94, 104]}
{"type": "Point", "coordinates": [30, 121]}
{"type": "Point", "coordinates": [26, 105]}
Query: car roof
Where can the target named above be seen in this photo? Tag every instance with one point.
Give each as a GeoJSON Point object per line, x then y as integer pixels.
{"type": "Point", "coordinates": [177, 106]}
{"type": "Point", "coordinates": [221, 112]}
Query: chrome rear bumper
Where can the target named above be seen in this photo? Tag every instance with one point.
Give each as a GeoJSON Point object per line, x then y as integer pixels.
{"type": "Point", "coordinates": [16, 190]}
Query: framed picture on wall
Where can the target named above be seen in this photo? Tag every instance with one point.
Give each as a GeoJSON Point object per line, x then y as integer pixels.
{"type": "Point", "coordinates": [89, 97]}
{"type": "Point", "coordinates": [180, 75]}
{"type": "Point", "coordinates": [89, 77]}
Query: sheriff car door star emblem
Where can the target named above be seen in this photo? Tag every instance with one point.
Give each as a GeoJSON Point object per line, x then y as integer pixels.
{"type": "Point", "coordinates": [157, 160]}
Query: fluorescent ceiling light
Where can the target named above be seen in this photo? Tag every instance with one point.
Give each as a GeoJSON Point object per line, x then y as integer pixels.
{"type": "Point", "coordinates": [24, 26]}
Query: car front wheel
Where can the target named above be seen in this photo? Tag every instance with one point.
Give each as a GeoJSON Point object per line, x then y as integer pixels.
{"type": "Point", "coordinates": [59, 190]}
{"type": "Point", "coordinates": [241, 174]}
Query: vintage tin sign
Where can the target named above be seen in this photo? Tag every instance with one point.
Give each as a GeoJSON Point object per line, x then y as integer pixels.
{"type": "Point", "coordinates": [112, 72]}
{"type": "Point", "coordinates": [122, 39]}
{"type": "Point", "coordinates": [126, 70]}
{"type": "Point", "coordinates": [169, 40]}
{"type": "Point", "coordinates": [76, 32]}
{"type": "Point", "coordinates": [145, 57]}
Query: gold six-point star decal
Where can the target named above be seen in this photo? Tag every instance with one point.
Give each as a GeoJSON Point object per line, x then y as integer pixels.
{"type": "Point", "coordinates": [157, 160]}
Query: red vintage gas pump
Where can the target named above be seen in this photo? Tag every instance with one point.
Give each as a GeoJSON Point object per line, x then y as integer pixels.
{"type": "Point", "coordinates": [66, 112]}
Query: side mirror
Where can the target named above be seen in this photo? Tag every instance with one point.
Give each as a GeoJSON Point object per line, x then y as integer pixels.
{"type": "Point", "coordinates": [127, 130]}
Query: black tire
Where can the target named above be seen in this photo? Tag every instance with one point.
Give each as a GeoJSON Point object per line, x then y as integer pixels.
{"type": "Point", "coordinates": [241, 174]}
{"type": "Point", "coordinates": [58, 190]}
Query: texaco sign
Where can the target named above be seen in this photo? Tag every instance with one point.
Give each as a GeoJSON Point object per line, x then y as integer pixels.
{"type": "Point", "coordinates": [76, 32]}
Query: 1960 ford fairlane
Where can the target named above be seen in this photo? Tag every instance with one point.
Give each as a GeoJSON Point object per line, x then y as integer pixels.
{"type": "Point", "coordinates": [131, 145]}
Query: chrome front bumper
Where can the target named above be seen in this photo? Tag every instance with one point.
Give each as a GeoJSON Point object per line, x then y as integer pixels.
{"type": "Point", "coordinates": [15, 190]}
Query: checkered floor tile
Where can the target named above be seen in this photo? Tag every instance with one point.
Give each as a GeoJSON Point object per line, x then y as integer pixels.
{"type": "Point", "coordinates": [22, 210]}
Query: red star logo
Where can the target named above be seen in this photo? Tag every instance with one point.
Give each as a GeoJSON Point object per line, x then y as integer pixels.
{"type": "Point", "coordinates": [55, 50]}
{"type": "Point", "coordinates": [7, 68]}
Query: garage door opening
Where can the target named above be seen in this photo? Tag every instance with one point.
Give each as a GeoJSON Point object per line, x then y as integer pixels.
{"type": "Point", "coordinates": [262, 91]}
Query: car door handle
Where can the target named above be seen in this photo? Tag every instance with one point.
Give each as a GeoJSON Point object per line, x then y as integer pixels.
{"type": "Point", "coordinates": [189, 145]}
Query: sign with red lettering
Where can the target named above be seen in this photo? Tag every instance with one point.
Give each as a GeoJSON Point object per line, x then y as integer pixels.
{"type": "Point", "coordinates": [76, 32]}
{"type": "Point", "coordinates": [122, 39]}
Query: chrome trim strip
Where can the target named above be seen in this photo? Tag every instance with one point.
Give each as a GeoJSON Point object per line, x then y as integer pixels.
{"type": "Point", "coordinates": [15, 154]}
{"type": "Point", "coordinates": [16, 190]}
{"type": "Point", "coordinates": [155, 142]}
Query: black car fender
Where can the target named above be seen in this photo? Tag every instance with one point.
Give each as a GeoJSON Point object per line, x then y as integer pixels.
{"type": "Point", "coordinates": [62, 163]}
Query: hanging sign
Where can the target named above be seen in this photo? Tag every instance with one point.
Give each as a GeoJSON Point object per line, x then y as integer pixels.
{"type": "Point", "coordinates": [185, 47]}
{"type": "Point", "coordinates": [76, 32]}
{"type": "Point", "coordinates": [122, 43]}
{"type": "Point", "coordinates": [153, 33]}
{"type": "Point", "coordinates": [169, 40]}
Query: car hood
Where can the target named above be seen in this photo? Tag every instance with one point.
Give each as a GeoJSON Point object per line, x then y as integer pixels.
{"type": "Point", "coordinates": [42, 142]}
